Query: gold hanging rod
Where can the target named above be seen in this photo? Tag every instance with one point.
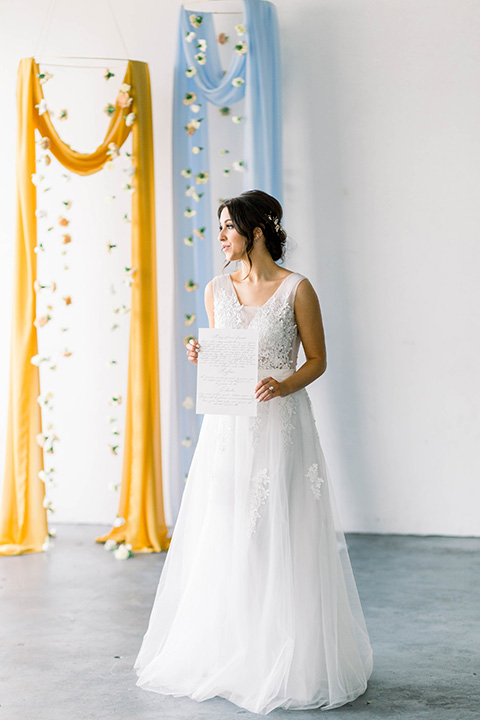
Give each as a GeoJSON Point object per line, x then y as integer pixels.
{"type": "Point", "coordinates": [67, 57]}
{"type": "Point", "coordinates": [108, 61]}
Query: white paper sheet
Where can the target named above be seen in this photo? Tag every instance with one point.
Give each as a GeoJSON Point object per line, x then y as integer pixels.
{"type": "Point", "coordinates": [227, 371]}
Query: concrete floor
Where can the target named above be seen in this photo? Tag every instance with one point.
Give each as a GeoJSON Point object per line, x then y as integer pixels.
{"type": "Point", "coordinates": [72, 619]}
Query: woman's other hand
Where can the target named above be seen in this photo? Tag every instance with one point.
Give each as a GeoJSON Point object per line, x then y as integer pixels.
{"type": "Point", "coordinates": [192, 351]}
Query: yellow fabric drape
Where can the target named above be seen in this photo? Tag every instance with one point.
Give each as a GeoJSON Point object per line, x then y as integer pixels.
{"type": "Point", "coordinates": [23, 521]}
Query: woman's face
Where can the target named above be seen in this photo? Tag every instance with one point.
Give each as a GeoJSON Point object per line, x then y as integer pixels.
{"type": "Point", "coordinates": [233, 244]}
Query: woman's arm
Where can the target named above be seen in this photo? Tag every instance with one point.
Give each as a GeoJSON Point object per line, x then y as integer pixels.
{"type": "Point", "coordinates": [310, 328]}
{"type": "Point", "coordinates": [193, 346]}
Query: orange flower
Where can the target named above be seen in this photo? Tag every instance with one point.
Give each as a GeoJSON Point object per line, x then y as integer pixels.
{"type": "Point", "coordinates": [66, 239]}
{"type": "Point", "coordinates": [124, 100]}
{"type": "Point", "coordinates": [68, 300]}
{"type": "Point", "coordinates": [63, 221]}
{"type": "Point", "coordinates": [42, 321]}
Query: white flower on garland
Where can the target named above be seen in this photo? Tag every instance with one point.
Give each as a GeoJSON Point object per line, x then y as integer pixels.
{"type": "Point", "coordinates": [129, 188]}
{"type": "Point", "coordinates": [237, 119]}
{"type": "Point", "coordinates": [191, 192]}
{"type": "Point", "coordinates": [187, 442]}
{"type": "Point", "coordinates": [190, 213]}
{"type": "Point", "coordinates": [195, 108]}
{"type": "Point", "coordinates": [39, 248]}
{"type": "Point", "coordinates": [188, 403]}
{"type": "Point", "coordinates": [202, 45]}
{"type": "Point", "coordinates": [189, 36]}
{"type": "Point", "coordinates": [226, 171]}
{"type": "Point", "coordinates": [201, 58]}
{"type": "Point", "coordinates": [115, 400]}
{"type": "Point", "coordinates": [40, 214]}
{"type": "Point", "coordinates": [47, 442]}
{"type": "Point", "coordinates": [191, 286]}
{"type": "Point", "coordinates": [195, 20]}
{"type": "Point", "coordinates": [63, 114]}
{"type": "Point", "coordinates": [191, 71]}
{"type": "Point", "coordinates": [46, 475]}
{"type": "Point", "coordinates": [37, 179]}
{"type": "Point", "coordinates": [129, 273]}
{"type": "Point", "coordinates": [113, 150]}
{"type": "Point", "coordinates": [188, 241]}
{"type": "Point", "coordinates": [223, 152]}
{"type": "Point", "coordinates": [110, 545]}
{"type": "Point", "coordinates": [130, 119]}
{"type": "Point", "coordinates": [240, 29]}
{"type": "Point", "coordinates": [44, 77]}
{"type": "Point", "coordinates": [186, 173]}
{"type": "Point", "coordinates": [48, 505]}
{"type": "Point", "coordinates": [123, 552]}
{"type": "Point", "coordinates": [125, 88]}
{"type": "Point", "coordinates": [193, 126]}
{"type": "Point", "coordinates": [37, 360]}
{"type": "Point", "coordinates": [238, 82]}
{"type": "Point", "coordinates": [196, 149]}
{"type": "Point", "coordinates": [113, 449]}
{"type": "Point", "coordinates": [46, 400]}
{"type": "Point", "coordinates": [241, 48]}
{"type": "Point", "coordinates": [130, 171]}
{"type": "Point", "coordinates": [119, 521]}
{"type": "Point", "coordinates": [239, 165]}
{"type": "Point", "coordinates": [189, 98]}
{"type": "Point", "coordinates": [108, 74]}
{"type": "Point", "coordinates": [42, 106]}
{"type": "Point", "coordinates": [202, 178]}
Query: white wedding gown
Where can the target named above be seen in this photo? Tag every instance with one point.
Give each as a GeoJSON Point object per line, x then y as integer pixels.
{"type": "Point", "coordinates": [257, 602]}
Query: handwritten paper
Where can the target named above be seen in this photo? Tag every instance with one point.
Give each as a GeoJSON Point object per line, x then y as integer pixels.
{"type": "Point", "coordinates": [227, 371]}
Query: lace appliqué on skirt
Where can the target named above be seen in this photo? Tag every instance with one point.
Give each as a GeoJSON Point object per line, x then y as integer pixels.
{"type": "Point", "coordinates": [288, 410]}
{"type": "Point", "coordinates": [259, 492]}
{"type": "Point", "coordinates": [315, 480]}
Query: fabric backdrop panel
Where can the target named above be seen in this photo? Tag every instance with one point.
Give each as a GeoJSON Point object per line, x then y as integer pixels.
{"type": "Point", "coordinates": [259, 69]}
{"type": "Point", "coordinates": [23, 522]}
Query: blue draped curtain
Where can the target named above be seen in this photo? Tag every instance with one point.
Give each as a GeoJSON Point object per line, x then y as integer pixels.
{"type": "Point", "coordinates": [197, 84]}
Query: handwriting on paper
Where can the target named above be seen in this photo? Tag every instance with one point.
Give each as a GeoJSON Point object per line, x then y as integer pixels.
{"type": "Point", "coordinates": [227, 371]}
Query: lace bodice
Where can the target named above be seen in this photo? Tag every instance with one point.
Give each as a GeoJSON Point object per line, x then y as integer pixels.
{"type": "Point", "coordinates": [275, 320]}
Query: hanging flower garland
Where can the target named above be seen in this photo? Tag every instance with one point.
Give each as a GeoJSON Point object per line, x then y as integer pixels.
{"type": "Point", "coordinates": [194, 181]}
{"type": "Point", "coordinates": [47, 439]}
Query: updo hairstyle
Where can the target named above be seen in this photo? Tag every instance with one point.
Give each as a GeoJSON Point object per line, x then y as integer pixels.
{"type": "Point", "coordinates": [252, 209]}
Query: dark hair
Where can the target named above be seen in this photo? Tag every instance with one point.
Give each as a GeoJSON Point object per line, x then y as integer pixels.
{"type": "Point", "coordinates": [255, 208]}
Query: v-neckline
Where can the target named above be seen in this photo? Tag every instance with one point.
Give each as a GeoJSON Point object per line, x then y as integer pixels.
{"type": "Point", "coordinates": [266, 301]}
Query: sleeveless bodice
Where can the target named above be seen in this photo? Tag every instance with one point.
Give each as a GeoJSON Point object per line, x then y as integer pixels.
{"type": "Point", "coordinates": [278, 339]}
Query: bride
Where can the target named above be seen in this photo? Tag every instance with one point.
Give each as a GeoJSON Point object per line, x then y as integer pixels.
{"type": "Point", "coordinates": [257, 602]}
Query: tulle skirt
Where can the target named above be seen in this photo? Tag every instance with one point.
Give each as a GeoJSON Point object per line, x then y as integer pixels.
{"type": "Point", "coordinates": [257, 602]}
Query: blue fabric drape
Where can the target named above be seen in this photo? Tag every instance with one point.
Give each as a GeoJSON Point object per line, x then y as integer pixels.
{"type": "Point", "coordinates": [260, 70]}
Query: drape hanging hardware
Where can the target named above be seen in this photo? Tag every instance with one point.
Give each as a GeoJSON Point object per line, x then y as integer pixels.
{"type": "Point", "coordinates": [186, 6]}
{"type": "Point", "coordinates": [45, 29]}
{"type": "Point", "coordinates": [51, 61]}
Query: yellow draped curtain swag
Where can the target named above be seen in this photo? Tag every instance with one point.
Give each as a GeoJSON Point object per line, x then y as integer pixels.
{"type": "Point", "coordinates": [23, 519]}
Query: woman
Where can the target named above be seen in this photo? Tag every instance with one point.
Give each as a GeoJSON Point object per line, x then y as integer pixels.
{"type": "Point", "coordinates": [257, 602]}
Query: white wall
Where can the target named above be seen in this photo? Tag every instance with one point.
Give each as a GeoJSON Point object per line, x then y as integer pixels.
{"type": "Point", "coordinates": [381, 144]}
